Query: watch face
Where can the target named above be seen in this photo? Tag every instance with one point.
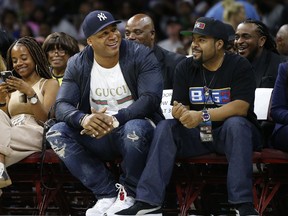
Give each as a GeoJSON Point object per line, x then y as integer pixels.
{"type": "Point", "coordinates": [205, 116]}
{"type": "Point", "coordinates": [33, 100]}
{"type": "Point", "coordinates": [115, 123]}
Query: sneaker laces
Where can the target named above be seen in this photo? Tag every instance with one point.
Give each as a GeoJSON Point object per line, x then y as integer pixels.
{"type": "Point", "coordinates": [122, 202]}
{"type": "Point", "coordinates": [122, 194]}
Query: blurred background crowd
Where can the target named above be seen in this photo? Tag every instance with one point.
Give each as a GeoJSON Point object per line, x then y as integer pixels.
{"type": "Point", "coordinates": [39, 18]}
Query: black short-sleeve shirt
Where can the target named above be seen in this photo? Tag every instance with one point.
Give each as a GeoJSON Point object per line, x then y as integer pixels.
{"type": "Point", "coordinates": [234, 80]}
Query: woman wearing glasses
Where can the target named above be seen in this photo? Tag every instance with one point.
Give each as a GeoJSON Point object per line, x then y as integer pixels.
{"type": "Point", "coordinates": [59, 47]}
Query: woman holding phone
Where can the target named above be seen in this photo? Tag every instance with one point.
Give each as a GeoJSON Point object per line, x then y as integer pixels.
{"type": "Point", "coordinates": [25, 100]}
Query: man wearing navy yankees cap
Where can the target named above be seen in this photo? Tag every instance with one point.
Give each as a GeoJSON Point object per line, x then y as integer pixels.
{"type": "Point", "coordinates": [107, 108]}
{"type": "Point", "coordinates": [213, 99]}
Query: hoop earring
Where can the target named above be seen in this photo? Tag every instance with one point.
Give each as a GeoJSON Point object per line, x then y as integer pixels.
{"type": "Point", "coordinates": [37, 70]}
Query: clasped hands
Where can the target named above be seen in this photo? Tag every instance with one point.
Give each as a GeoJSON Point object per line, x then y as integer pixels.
{"type": "Point", "coordinates": [97, 124]}
{"type": "Point", "coordinates": [188, 118]}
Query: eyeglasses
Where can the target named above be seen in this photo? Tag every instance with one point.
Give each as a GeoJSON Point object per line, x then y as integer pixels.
{"type": "Point", "coordinates": [60, 52]}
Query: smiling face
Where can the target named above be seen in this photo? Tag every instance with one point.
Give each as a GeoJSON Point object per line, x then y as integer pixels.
{"type": "Point", "coordinates": [58, 58]}
{"type": "Point", "coordinates": [106, 43]}
{"type": "Point", "coordinates": [22, 61]}
{"type": "Point", "coordinates": [249, 43]}
{"type": "Point", "coordinates": [140, 28]}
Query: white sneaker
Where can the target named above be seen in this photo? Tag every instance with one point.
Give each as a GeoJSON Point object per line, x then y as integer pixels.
{"type": "Point", "coordinates": [122, 202]}
{"type": "Point", "coordinates": [101, 206]}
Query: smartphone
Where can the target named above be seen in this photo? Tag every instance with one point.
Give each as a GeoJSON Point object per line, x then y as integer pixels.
{"type": "Point", "coordinates": [5, 75]}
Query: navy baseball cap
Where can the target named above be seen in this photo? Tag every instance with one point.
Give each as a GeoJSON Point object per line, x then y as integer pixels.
{"type": "Point", "coordinates": [95, 21]}
{"type": "Point", "coordinates": [209, 27]}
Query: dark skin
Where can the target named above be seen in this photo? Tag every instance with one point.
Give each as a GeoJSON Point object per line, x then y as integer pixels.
{"type": "Point", "coordinates": [97, 124]}
{"type": "Point", "coordinates": [210, 52]}
{"type": "Point", "coordinates": [106, 45]}
{"type": "Point", "coordinates": [140, 28]}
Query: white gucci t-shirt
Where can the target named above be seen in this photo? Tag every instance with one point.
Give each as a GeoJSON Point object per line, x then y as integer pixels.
{"type": "Point", "coordinates": [109, 89]}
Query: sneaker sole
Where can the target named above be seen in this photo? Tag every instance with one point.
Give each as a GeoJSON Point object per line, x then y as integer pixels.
{"type": "Point", "coordinates": [5, 183]}
{"type": "Point", "coordinates": [152, 212]}
{"type": "Point", "coordinates": [159, 214]}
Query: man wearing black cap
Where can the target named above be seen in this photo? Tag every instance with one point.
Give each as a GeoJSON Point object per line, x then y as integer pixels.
{"type": "Point", "coordinates": [213, 96]}
{"type": "Point", "coordinates": [107, 105]}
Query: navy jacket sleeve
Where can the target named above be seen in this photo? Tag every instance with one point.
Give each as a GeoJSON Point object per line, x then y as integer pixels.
{"type": "Point", "coordinates": [70, 96]}
{"type": "Point", "coordinates": [142, 73]}
{"type": "Point", "coordinates": [279, 107]}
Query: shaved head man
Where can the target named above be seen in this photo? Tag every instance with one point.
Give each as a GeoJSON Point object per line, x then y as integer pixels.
{"type": "Point", "coordinates": [282, 40]}
{"type": "Point", "coordinates": [140, 28]}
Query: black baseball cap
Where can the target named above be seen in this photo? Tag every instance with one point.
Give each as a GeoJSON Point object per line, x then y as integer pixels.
{"type": "Point", "coordinates": [95, 21]}
{"type": "Point", "coordinates": [230, 31]}
{"type": "Point", "coordinates": [209, 27]}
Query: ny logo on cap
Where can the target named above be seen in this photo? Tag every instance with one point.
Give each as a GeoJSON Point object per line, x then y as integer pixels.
{"type": "Point", "coordinates": [101, 16]}
{"type": "Point", "coordinates": [199, 25]}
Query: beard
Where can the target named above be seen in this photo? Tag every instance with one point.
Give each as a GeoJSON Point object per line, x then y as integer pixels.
{"type": "Point", "coordinates": [199, 59]}
{"type": "Point", "coordinates": [252, 55]}
{"type": "Point", "coordinates": [197, 62]}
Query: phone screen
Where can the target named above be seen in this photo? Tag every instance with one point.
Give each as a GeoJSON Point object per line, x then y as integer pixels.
{"type": "Point", "coordinates": [5, 75]}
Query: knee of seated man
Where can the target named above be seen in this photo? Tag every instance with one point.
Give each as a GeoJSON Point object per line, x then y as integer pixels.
{"type": "Point", "coordinates": [236, 122]}
{"type": "Point", "coordinates": [54, 134]}
{"type": "Point", "coordinates": [139, 132]}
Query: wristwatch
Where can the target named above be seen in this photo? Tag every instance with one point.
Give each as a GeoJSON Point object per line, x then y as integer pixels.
{"type": "Point", "coordinates": [115, 122]}
{"type": "Point", "coordinates": [205, 115]}
{"type": "Point", "coordinates": [33, 100]}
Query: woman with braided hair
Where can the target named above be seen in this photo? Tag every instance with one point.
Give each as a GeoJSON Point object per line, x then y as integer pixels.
{"type": "Point", "coordinates": [25, 100]}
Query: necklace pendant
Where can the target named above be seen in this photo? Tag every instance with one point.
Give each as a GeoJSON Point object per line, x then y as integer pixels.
{"type": "Point", "coordinates": [206, 91]}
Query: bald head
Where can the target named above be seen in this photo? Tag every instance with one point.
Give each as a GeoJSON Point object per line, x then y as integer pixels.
{"type": "Point", "coordinates": [282, 40]}
{"type": "Point", "coordinates": [140, 28]}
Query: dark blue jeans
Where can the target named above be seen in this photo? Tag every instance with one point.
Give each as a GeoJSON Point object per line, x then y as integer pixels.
{"type": "Point", "coordinates": [235, 138]}
{"type": "Point", "coordinates": [84, 155]}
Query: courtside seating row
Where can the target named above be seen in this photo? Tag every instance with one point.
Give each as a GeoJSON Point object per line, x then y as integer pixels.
{"type": "Point", "coordinates": [49, 187]}
{"type": "Point", "coordinates": [50, 182]}
{"type": "Point", "coordinates": [266, 179]}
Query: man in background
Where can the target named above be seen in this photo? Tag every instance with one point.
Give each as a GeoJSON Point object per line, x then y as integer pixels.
{"type": "Point", "coordinates": [140, 28]}
{"type": "Point", "coordinates": [282, 41]}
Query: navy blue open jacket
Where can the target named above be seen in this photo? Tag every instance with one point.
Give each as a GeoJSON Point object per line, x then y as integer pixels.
{"type": "Point", "coordinates": [141, 72]}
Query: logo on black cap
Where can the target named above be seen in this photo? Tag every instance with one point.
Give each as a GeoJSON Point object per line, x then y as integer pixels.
{"type": "Point", "coordinates": [199, 25]}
